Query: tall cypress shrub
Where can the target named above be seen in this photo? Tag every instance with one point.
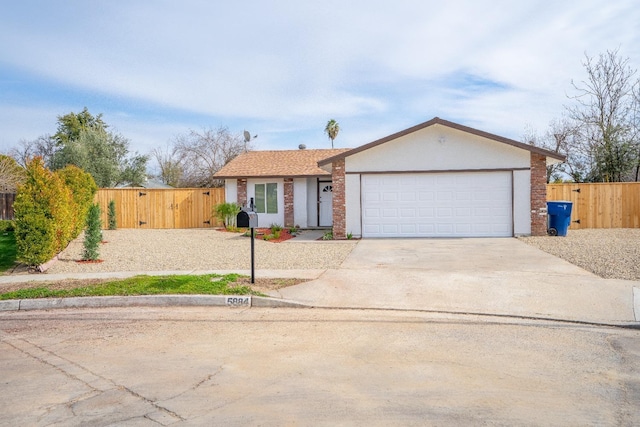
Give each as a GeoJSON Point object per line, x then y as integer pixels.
{"type": "Point", "coordinates": [111, 214]}
{"type": "Point", "coordinates": [93, 234]}
{"type": "Point", "coordinates": [83, 189]}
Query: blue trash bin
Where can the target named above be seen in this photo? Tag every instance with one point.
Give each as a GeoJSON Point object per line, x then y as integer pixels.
{"type": "Point", "coordinates": [559, 217]}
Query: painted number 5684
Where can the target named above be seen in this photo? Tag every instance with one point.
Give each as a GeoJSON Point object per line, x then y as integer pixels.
{"type": "Point", "coordinates": [238, 301]}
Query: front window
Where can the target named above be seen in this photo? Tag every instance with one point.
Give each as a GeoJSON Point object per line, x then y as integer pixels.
{"type": "Point", "coordinates": [266, 198]}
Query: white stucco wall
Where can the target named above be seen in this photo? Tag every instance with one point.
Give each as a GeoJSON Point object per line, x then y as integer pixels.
{"type": "Point", "coordinates": [231, 190]}
{"type": "Point", "coordinates": [265, 220]}
{"type": "Point", "coordinates": [353, 205]}
{"type": "Point", "coordinates": [522, 203]}
{"type": "Point", "coordinates": [312, 202]}
{"type": "Point", "coordinates": [300, 211]}
{"type": "Point", "coordinates": [438, 148]}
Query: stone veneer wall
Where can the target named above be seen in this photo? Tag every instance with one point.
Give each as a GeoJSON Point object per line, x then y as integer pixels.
{"type": "Point", "coordinates": [288, 202]}
{"type": "Point", "coordinates": [339, 207]}
{"type": "Point", "coordinates": [242, 192]}
{"type": "Point", "coordinates": [538, 195]}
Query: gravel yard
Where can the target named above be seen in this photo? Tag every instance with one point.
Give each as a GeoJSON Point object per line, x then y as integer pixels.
{"type": "Point", "coordinates": [199, 249]}
{"type": "Point", "coordinates": [608, 253]}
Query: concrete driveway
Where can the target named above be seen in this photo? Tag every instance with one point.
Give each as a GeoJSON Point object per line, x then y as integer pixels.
{"type": "Point", "coordinates": [487, 276]}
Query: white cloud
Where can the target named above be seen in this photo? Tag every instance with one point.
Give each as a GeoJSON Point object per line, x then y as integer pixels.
{"type": "Point", "coordinates": [288, 67]}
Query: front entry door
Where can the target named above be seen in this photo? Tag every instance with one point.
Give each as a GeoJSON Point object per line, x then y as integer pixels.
{"type": "Point", "coordinates": [325, 208]}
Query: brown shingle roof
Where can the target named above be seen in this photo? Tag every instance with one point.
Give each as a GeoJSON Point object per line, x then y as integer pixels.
{"type": "Point", "coordinates": [284, 163]}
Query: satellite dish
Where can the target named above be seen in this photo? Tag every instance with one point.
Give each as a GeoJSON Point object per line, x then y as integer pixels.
{"type": "Point", "coordinates": [247, 136]}
{"type": "Point", "coordinates": [302, 146]}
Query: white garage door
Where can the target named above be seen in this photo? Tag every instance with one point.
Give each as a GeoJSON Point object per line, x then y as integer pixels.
{"type": "Point", "coordinates": [464, 204]}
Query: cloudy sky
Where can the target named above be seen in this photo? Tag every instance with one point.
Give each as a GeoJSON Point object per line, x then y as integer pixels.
{"type": "Point", "coordinates": [281, 69]}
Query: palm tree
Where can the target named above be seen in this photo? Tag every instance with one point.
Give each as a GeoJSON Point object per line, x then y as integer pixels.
{"type": "Point", "coordinates": [332, 130]}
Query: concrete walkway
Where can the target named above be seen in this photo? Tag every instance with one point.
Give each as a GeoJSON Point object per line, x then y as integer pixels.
{"type": "Point", "coordinates": [485, 276]}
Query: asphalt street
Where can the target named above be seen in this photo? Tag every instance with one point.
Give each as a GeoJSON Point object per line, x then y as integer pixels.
{"type": "Point", "coordinates": [144, 366]}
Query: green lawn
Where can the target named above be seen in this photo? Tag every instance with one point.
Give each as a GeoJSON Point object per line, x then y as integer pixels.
{"type": "Point", "coordinates": [142, 285]}
{"type": "Point", "coordinates": [7, 251]}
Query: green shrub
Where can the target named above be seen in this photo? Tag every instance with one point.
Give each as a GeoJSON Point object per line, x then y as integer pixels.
{"type": "Point", "coordinates": [83, 189]}
{"type": "Point", "coordinates": [275, 227]}
{"type": "Point", "coordinates": [111, 213]}
{"type": "Point", "coordinates": [227, 213]}
{"type": "Point", "coordinates": [35, 238]}
{"type": "Point", "coordinates": [93, 234]}
{"type": "Point", "coordinates": [44, 222]}
{"type": "Point", "coordinates": [7, 225]}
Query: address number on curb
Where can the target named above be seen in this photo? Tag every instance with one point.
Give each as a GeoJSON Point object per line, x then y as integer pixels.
{"type": "Point", "coordinates": [238, 301]}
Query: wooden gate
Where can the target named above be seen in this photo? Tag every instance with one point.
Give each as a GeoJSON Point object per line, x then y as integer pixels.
{"type": "Point", "coordinates": [601, 205]}
{"type": "Point", "coordinates": [161, 208]}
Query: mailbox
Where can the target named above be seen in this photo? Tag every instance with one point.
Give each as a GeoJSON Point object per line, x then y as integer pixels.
{"type": "Point", "coordinates": [247, 219]}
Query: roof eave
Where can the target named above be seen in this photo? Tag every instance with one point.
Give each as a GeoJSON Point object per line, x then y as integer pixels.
{"type": "Point", "coordinates": [439, 121]}
{"type": "Point", "coordinates": [319, 175]}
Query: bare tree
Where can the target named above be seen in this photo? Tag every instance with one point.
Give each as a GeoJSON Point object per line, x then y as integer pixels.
{"type": "Point", "coordinates": [194, 158]}
{"type": "Point", "coordinates": [605, 112]}
{"type": "Point", "coordinates": [44, 146]}
{"type": "Point", "coordinates": [559, 138]}
{"type": "Point", "coordinates": [11, 174]}
{"type": "Point", "coordinates": [170, 165]}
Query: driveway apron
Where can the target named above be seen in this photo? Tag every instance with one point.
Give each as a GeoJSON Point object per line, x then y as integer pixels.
{"type": "Point", "coordinates": [477, 275]}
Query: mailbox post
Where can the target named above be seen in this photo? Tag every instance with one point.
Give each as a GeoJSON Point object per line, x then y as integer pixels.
{"type": "Point", "coordinates": [246, 218]}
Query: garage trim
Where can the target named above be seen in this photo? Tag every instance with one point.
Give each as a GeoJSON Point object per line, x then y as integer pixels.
{"type": "Point", "coordinates": [435, 171]}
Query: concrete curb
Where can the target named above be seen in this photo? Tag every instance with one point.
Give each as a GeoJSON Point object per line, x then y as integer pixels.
{"type": "Point", "coordinates": [139, 301]}
{"type": "Point", "coordinates": [261, 302]}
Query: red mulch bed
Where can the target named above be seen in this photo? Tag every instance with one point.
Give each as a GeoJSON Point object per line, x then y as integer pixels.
{"type": "Point", "coordinates": [284, 235]}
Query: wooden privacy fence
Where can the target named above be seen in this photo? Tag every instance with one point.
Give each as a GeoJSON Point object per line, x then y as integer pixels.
{"type": "Point", "coordinates": [6, 205]}
{"type": "Point", "coordinates": [161, 208]}
{"type": "Point", "coordinates": [602, 205]}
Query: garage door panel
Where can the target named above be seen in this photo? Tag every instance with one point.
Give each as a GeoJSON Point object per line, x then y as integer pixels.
{"type": "Point", "coordinates": [426, 213]}
{"type": "Point", "coordinates": [445, 229]}
{"type": "Point", "coordinates": [408, 213]}
{"type": "Point", "coordinates": [426, 195]}
{"type": "Point", "coordinates": [445, 195]}
{"type": "Point", "coordinates": [407, 197]}
{"type": "Point", "coordinates": [390, 196]}
{"type": "Point", "coordinates": [408, 228]}
{"type": "Point", "coordinates": [426, 229]}
{"type": "Point", "coordinates": [370, 197]}
{"type": "Point", "coordinates": [390, 228]}
{"type": "Point", "coordinates": [438, 204]}
{"type": "Point", "coordinates": [464, 195]}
